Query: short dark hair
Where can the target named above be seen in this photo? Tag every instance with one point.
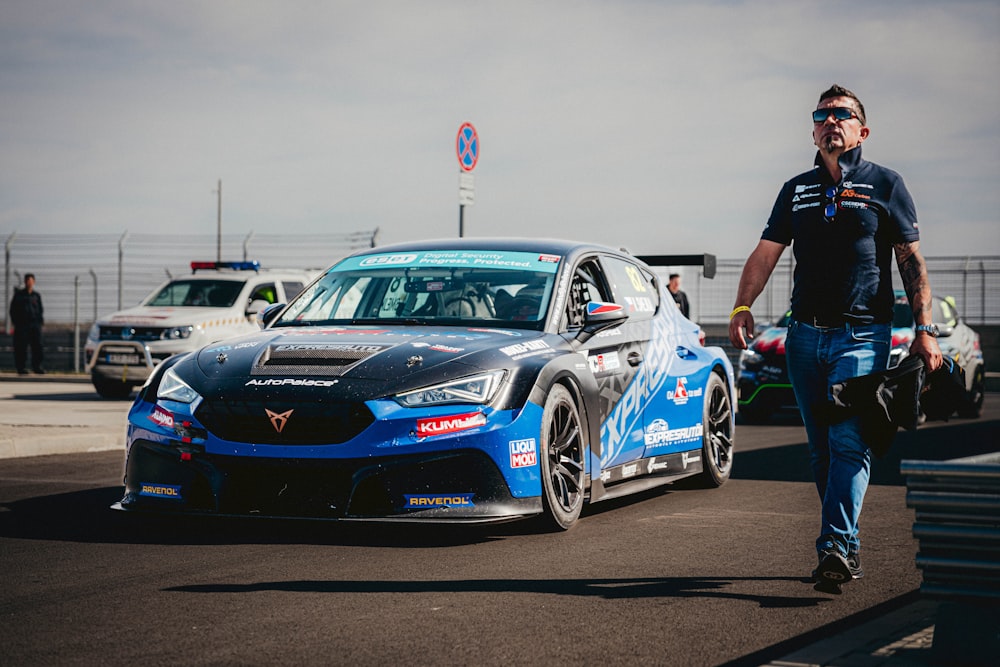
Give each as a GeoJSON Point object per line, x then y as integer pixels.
{"type": "Point", "coordinates": [29, 275]}
{"type": "Point", "coordinates": [674, 275]}
{"type": "Point", "coordinates": [837, 90]}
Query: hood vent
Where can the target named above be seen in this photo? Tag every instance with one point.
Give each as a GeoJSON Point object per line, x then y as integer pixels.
{"type": "Point", "coordinates": [312, 358]}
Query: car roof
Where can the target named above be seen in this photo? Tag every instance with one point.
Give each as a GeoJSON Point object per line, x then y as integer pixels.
{"type": "Point", "coordinates": [561, 247]}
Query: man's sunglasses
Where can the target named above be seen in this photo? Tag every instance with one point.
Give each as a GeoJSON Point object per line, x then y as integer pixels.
{"type": "Point", "coordinates": [839, 113]}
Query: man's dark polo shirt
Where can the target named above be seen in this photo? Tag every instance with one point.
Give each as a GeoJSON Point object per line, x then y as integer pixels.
{"type": "Point", "coordinates": [843, 267]}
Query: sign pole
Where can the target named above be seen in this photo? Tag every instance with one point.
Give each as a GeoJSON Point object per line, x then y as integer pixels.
{"type": "Point", "coordinates": [467, 148]}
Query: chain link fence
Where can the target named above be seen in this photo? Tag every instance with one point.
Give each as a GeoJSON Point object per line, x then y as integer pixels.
{"type": "Point", "coordinates": [83, 277]}
{"type": "Point", "coordinates": [86, 276]}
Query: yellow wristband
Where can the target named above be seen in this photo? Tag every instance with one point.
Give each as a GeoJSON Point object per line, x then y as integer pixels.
{"type": "Point", "coordinates": [738, 309]}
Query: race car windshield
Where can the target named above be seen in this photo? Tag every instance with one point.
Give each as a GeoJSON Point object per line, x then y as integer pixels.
{"type": "Point", "coordinates": [198, 293]}
{"type": "Point", "coordinates": [466, 288]}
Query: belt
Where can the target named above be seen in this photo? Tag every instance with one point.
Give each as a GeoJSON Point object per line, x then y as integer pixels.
{"type": "Point", "coordinates": [830, 321]}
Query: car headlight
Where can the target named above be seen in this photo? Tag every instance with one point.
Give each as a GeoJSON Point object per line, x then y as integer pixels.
{"type": "Point", "coordinates": [749, 358]}
{"type": "Point", "coordinates": [173, 388]}
{"type": "Point", "coordinates": [177, 333]}
{"type": "Point", "coordinates": [476, 389]}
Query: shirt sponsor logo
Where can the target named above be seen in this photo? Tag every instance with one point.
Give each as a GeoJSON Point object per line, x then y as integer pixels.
{"type": "Point", "coordinates": [854, 194]}
{"type": "Point", "coordinates": [799, 207]}
{"type": "Point", "coordinates": [852, 184]}
{"type": "Point", "coordinates": [523, 453]}
{"type": "Point", "coordinates": [451, 424]}
{"type": "Point", "coordinates": [808, 195]}
{"type": "Point", "coordinates": [854, 204]}
{"type": "Point", "coordinates": [425, 500]}
{"type": "Point", "coordinates": [160, 491]}
{"type": "Point", "coordinates": [799, 189]}
{"type": "Point", "coordinates": [289, 382]}
{"type": "Point", "coordinates": [659, 433]}
{"type": "Point", "coordinates": [162, 417]}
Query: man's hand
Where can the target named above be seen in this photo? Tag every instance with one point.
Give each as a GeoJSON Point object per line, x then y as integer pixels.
{"type": "Point", "coordinates": [928, 349]}
{"type": "Point", "coordinates": [742, 321]}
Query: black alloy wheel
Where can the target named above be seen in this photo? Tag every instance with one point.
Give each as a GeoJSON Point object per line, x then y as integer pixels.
{"type": "Point", "coordinates": [563, 447]}
{"type": "Point", "coordinates": [717, 443]}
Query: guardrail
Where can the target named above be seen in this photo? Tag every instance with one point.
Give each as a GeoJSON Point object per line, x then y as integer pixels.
{"type": "Point", "coordinates": [957, 524]}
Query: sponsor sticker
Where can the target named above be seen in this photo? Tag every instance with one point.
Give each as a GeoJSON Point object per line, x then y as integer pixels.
{"type": "Point", "coordinates": [659, 433]}
{"type": "Point", "coordinates": [290, 382]}
{"type": "Point", "coordinates": [170, 491]}
{"type": "Point", "coordinates": [525, 349]}
{"type": "Point", "coordinates": [162, 417]}
{"type": "Point", "coordinates": [523, 453]}
{"type": "Point", "coordinates": [450, 424]}
{"type": "Point", "coordinates": [607, 361]}
{"type": "Point", "coordinates": [427, 500]}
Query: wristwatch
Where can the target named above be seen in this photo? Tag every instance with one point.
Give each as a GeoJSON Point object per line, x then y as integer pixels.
{"type": "Point", "coordinates": [931, 329]}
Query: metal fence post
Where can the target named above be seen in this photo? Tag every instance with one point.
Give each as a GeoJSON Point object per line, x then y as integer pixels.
{"type": "Point", "coordinates": [121, 253]}
{"type": "Point", "coordinates": [6, 283]}
{"type": "Point", "coordinates": [76, 324]}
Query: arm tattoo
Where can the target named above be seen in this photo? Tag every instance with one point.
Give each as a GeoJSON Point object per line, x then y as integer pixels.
{"type": "Point", "coordinates": [913, 272]}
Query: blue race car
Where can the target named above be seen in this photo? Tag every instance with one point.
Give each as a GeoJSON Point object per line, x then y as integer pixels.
{"type": "Point", "coordinates": [468, 380]}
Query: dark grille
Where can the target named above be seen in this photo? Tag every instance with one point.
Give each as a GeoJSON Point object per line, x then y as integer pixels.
{"type": "Point", "coordinates": [301, 423]}
{"type": "Point", "coordinates": [125, 332]}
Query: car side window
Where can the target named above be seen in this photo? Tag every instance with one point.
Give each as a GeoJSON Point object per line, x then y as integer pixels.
{"type": "Point", "coordinates": [633, 287]}
{"type": "Point", "coordinates": [265, 292]}
{"type": "Point", "coordinates": [292, 289]}
{"type": "Point", "coordinates": [587, 284]}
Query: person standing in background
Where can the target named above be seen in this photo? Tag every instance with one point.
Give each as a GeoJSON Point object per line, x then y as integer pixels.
{"type": "Point", "coordinates": [27, 315]}
{"type": "Point", "coordinates": [680, 298]}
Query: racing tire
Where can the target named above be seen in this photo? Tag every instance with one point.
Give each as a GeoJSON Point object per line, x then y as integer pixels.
{"type": "Point", "coordinates": [972, 407]}
{"type": "Point", "coordinates": [111, 389]}
{"type": "Point", "coordinates": [562, 451]}
{"type": "Point", "coordinates": [717, 441]}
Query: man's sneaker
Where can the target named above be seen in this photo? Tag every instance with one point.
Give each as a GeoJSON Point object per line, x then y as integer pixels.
{"type": "Point", "coordinates": [854, 563]}
{"type": "Point", "coordinates": [832, 572]}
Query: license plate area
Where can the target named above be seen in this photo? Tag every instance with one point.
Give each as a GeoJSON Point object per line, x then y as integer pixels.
{"type": "Point", "coordinates": [121, 359]}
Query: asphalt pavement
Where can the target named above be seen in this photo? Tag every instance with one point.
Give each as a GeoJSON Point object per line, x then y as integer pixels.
{"type": "Point", "coordinates": [61, 413]}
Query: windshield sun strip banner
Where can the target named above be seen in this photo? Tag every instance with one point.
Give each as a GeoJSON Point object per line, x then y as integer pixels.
{"type": "Point", "coordinates": [464, 259]}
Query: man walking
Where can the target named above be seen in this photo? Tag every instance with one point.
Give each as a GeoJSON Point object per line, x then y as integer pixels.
{"type": "Point", "coordinates": [27, 316]}
{"type": "Point", "coordinates": [844, 219]}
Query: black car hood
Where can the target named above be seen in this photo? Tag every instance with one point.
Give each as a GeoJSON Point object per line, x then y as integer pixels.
{"type": "Point", "coordinates": [367, 353]}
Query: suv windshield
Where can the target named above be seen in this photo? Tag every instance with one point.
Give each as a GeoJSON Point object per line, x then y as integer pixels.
{"type": "Point", "coordinates": [479, 288]}
{"type": "Point", "coordinates": [204, 293]}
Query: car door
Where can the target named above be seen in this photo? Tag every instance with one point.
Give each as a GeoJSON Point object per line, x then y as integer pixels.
{"type": "Point", "coordinates": [615, 356]}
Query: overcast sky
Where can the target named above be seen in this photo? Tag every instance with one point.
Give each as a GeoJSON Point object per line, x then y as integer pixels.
{"type": "Point", "coordinates": [659, 126]}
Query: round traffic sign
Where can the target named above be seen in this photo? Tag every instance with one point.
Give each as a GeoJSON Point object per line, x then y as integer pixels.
{"type": "Point", "coordinates": [467, 147]}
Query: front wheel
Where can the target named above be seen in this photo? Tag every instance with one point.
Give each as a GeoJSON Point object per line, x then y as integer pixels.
{"type": "Point", "coordinates": [563, 447]}
{"type": "Point", "coordinates": [717, 442]}
{"type": "Point", "coordinates": [111, 388]}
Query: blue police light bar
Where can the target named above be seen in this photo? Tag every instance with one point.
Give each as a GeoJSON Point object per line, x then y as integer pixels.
{"type": "Point", "coordinates": [237, 266]}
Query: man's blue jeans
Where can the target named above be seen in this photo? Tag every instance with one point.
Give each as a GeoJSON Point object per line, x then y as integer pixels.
{"type": "Point", "coordinates": [841, 461]}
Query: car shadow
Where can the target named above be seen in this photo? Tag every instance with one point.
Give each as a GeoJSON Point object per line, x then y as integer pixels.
{"type": "Point", "coordinates": [606, 589]}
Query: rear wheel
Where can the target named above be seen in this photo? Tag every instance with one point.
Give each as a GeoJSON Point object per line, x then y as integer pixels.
{"type": "Point", "coordinates": [563, 447]}
{"type": "Point", "coordinates": [717, 442]}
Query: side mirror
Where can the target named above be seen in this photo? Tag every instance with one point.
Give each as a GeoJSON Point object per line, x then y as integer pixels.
{"type": "Point", "coordinates": [256, 306]}
{"type": "Point", "coordinates": [268, 315]}
{"type": "Point", "coordinates": [600, 315]}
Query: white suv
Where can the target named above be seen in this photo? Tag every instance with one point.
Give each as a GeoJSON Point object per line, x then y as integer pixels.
{"type": "Point", "coordinates": [218, 300]}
